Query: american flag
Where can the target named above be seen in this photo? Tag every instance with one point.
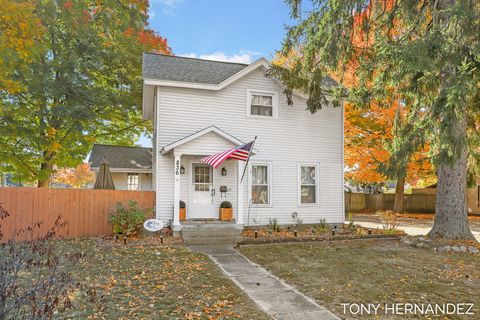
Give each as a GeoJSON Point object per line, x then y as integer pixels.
{"type": "Point", "coordinates": [241, 153]}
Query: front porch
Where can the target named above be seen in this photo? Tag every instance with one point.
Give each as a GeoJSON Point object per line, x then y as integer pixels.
{"type": "Point", "coordinates": [203, 189]}
{"type": "Point", "coordinates": [201, 186]}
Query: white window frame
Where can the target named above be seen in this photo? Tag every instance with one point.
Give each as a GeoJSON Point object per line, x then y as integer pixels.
{"type": "Point", "coordinates": [269, 176]}
{"type": "Point", "coordinates": [317, 184]}
{"type": "Point", "coordinates": [274, 96]}
{"type": "Point", "coordinates": [139, 181]}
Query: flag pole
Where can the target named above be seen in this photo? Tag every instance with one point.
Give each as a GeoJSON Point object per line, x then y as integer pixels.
{"type": "Point", "coordinates": [248, 159]}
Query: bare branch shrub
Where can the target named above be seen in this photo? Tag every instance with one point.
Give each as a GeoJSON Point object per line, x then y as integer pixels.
{"type": "Point", "coordinates": [34, 281]}
{"type": "Point", "coordinates": [390, 219]}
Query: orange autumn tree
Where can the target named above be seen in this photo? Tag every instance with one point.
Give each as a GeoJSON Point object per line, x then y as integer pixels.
{"type": "Point", "coordinates": [20, 30]}
{"type": "Point", "coordinates": [77, 177]}
{"type": "Point", "coordinates": [371, 134]}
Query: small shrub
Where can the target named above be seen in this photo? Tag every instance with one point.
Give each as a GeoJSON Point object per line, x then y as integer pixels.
{"type": "Point", "coordinates": [226, 204]}
{"type": "Point", "coordinates": [323, 226]}
{"type": "Point", "coordinates": [389, 219]}
{"type": "Point", "coordinates": [128, 221]}
{"type": "Point", "coordinates": [351, 226]}
{"type": "Point", "coordinates": [182, 205]}
{"type": "Point", "coordinates": [273, 225]}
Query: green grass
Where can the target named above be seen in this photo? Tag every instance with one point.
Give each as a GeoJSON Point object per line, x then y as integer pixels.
{"type": "Point", "coordinates": [372, 272]}
{"type": "Point", "coordinates": [139, 283]}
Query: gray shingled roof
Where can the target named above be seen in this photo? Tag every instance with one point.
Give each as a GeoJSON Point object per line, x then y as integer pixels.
{"type": "Point", "coordinates": [162, 67]}
{"type": "Point", "coordinates": [121, 157]}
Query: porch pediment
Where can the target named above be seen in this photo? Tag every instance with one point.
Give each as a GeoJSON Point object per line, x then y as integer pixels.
{"type": "Point", "coordinates": [204, 142]}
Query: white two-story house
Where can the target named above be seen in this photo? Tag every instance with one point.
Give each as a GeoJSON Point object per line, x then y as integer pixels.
{"type": "Point", "coordinates": [201, 107]}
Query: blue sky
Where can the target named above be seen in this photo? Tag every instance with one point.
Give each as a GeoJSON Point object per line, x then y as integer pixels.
{"type": "Point", "coordinates": [228, 30]}
{"type": "Point", "coordinates": [238, 30]}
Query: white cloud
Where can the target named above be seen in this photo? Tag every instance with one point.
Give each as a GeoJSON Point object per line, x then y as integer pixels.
{"type": "Point", "coordinates": [151, 14]}
{"type": "Point", "coordinates": [168, 6]}
{"type": "Point", "coordinates": [242, 57]}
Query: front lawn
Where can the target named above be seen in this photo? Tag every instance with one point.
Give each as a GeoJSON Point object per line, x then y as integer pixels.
{"type": "Point", "coordinates": [372, 272]}
{"type": "Point", "coordinates": [153, 282]}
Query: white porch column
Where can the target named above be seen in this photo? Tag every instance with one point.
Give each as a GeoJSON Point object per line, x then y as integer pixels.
{"type": "Point", "coordinates": [240, 167]}
{"type": "Point", "coordinates": [176, 193]}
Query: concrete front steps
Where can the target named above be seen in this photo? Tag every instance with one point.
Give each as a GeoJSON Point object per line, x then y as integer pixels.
{"type": "Point", "coordinates": [211, 233]}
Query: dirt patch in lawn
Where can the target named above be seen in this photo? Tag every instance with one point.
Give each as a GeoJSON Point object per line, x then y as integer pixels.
{"type": "Point", "coordinates": [373, 271]}
{"type": "Point", "coordinates": [153, 282]}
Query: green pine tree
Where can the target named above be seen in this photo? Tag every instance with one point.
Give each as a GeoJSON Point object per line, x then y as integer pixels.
{"type": "Point", "coordinates": [425, 52]}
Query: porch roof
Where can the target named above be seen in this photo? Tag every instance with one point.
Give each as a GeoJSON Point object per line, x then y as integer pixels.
{"type": "Point", "coordinates": [223, 134]}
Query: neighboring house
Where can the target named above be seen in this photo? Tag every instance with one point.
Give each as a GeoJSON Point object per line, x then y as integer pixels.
{"type": "Point", "coordinates": [202, 107]}
{"type": "Point", "coordinates": [131, 167]}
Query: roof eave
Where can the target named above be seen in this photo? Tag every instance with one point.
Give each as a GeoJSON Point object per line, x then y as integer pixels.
{"type": "Point", "coordinates": [120, 170]}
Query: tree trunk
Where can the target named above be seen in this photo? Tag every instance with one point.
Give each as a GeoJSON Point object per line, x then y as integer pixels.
{"type": "Point", "coordinates": [44, 175]}
{"type": "Point", "coordinates": [451, 220]}
{"type": "Point", "coordinates": [399, 194]}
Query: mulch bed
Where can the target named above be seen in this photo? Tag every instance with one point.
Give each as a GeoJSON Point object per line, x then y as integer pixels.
{"type": "Point", "coordinates": [341, 237]}
{"type": "Point", "coordinates": [306, 234]}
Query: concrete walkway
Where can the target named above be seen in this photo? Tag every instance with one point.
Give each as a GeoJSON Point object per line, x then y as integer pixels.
{"type": "Point", "coordinates": [271, 294]}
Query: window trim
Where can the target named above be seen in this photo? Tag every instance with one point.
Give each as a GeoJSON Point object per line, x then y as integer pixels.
{"type": "Point", "coordinates": [274, 96]}
{"type": "Point", "coordinates": [317, 184]}
{"type": "Point", "coordinates": [269, 176]}
{"type": "Point", "coordinates": [138, 182]}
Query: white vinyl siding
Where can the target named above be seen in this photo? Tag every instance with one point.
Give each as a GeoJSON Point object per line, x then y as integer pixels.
{"type": "Point", "coordinates": [296, 135]}
{"type": "Point", "coordinates": [308, 177]}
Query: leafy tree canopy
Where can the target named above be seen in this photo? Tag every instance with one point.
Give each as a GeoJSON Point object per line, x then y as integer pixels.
{"type": "Point", "coordinates": [81, 85]}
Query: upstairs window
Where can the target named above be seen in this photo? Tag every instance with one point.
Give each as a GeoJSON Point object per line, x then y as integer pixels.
{"type": "Point", "coordinates": [133, 181]}
{"type": "Point", "coordinates": [262, 104]}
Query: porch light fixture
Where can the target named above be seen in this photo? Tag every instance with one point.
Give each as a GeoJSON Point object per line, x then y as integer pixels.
{"type": "Point", "coordinates": [182, 169]}
{"type": "Point", "coordinates": [224, 172]}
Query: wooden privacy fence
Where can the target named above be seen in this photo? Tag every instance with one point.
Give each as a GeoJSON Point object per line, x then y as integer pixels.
{"type": "Point", "coordinates": [85, 210]}
{"type": "Point", "coordinates": [355, 202]}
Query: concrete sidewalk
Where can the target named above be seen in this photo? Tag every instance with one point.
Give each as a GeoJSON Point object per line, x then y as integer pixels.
{"type": "Point", "coordinates": [270, 293]}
